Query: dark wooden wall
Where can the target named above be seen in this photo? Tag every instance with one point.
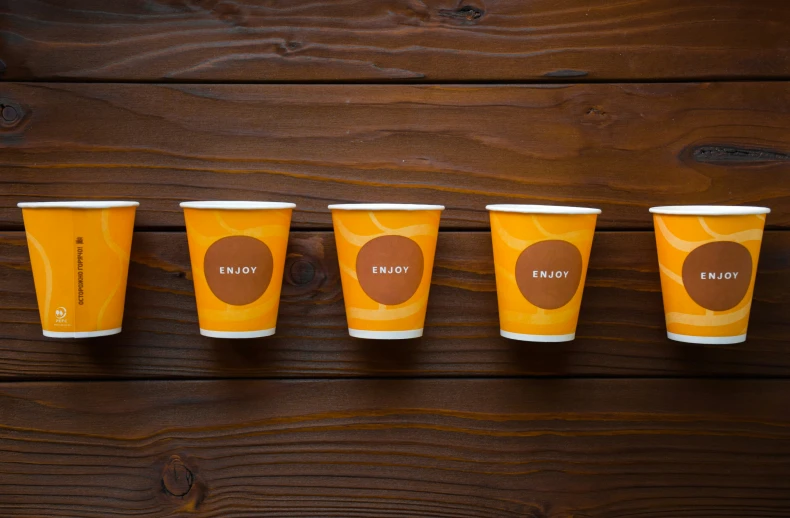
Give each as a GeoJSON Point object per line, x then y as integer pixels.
{"type": "Point", "coordinates": [617, 104]}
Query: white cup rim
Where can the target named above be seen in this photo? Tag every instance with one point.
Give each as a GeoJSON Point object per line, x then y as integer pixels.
{"type": "Point", "coordinates": [384, 206]}
{"type": "Point", "coordinates": [709, 210]}
{"type": "Point", "coordinates": [542, 209]}
{"type": "Point", "coordinates": [76, 204]}
{"type": "Point", "coordinates": [237, 205]}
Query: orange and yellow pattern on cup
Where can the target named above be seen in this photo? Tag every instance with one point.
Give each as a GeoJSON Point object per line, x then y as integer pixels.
{"type": "Point", "coordinates": [386, 254]}
{"type": "Point", "coordinates": [79, 253]}
{"type": "Point", "coordinates": [541, 255]}
{"type": "Point", "coordinates": [237, 250]}
{"type": "Point", "coordinates": [707, 258]}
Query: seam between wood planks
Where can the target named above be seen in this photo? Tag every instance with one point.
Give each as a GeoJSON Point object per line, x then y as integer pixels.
{"type": "Point", "coordinates": [416, 82]}
{"type": "Point", "coordinates": [735, 378]}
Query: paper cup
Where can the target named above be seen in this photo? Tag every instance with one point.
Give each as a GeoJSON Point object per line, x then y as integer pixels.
{"type": "Point", "coordinates": [237, 249]}
{"type": "Point", "coordinates": [541, 254]}
{"type": "Point", "coordinates": [707, 258]}
{"type": "Point", "coordinates": [79, 253]}
{"type": "Point", "coordinates": [386, 256]}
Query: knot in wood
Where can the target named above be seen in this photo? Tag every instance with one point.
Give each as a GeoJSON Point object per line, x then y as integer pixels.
{"type": "Point", "coordinates": [466, 13]}
{"type": "Point", "coordinates": [302, 272]}
{"type": "Point", "coordinates": [734, 154]}
{"type": "Point", "coordinates": [595, 112]}
{"type": "Point", "coordinates": [177, 479]}
{"type": "Point", "coordinates": [10, 115]}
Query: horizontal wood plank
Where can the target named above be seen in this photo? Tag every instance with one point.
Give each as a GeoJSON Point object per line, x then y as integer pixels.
{"type": "Point", "coordinates": [621, 330]}
{"type": "Point", "coordinates": [429, 448]}
{"type": "Point", "coordinates": [621, 148]}
{"type": "Point", "coordinates": [385, 40]}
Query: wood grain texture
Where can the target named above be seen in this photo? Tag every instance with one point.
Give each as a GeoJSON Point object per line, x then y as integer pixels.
{"type": "Point", "coordinates": [621, 330]}
{"type": "Point", "coordinates": [385, 40]}
{"type": "Point", "coordinates": [428, 448]}
{"type": "Point", "coordinates": [621, 148]}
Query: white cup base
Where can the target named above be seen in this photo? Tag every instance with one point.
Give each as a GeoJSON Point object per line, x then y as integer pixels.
{"type": "Point", "coordinates": [689, 339]}
{"type": "Point", "coordinates": [237, 334]}
{"type": "Point", "coordinates": [81, 334]}
{"type": "Point", "coordinates": [537, 338]}
{"type": "Point", "coordinates": [385, 335]}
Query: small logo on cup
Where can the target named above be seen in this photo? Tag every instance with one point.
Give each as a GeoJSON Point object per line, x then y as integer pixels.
{"type": "Point", "coordinates": [548, 273]}
{"type": "Point", "coordinates": [60, 316]}
{"type": "Point", "coordinates": [389, 269]}
{"type": "Point", "coordinates": [238, 269]}
{"type": "Point", "coordinates": [717, 275]}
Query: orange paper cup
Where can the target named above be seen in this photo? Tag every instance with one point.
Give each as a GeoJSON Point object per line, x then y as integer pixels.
{"type": "Point", "coordinates": [79, 252]}
{"type": "Point", "coordinates": [386, 256]}
{"type": "Point", "coordinates": [707, 257]}
{"type": "Point", "coordinates": [237, 249]}
{"type": "Point", "coordinates": [540, 261]}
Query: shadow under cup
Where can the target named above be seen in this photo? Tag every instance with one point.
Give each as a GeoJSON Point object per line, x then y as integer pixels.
{"type": "Point", "coordinates": [79, 253]}
{"type": "Point", "coordinates": [386, 254]}
{"type": "Point", "coordinates": [541, 253]}
{"type": "Point", "coordinates": [707, 258]}
{"type": "Point", "coordinates": [237, 250]}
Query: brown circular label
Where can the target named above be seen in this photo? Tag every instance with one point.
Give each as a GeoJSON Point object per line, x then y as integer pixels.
{"type": "Point", "coordinates": [548, 273]}
{"type": "Point", "coordinates": [389, 269]}
{"type": "Point", "coordinates": [717, 275]}
{"type": "Point", "coordinates": [238, 269]}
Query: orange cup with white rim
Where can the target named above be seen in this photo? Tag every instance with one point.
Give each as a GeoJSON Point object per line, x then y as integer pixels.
{"type": "Point", "coordinates": [386, 254]}
{"type": "Point", "coordinates": [541, 253]}
{"type": "Point", "coordinates": [79, 253]}
{"type": "Point", "coordinates": [237, 250]}
{"type": "Point", "coordinates": [707, 259]}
